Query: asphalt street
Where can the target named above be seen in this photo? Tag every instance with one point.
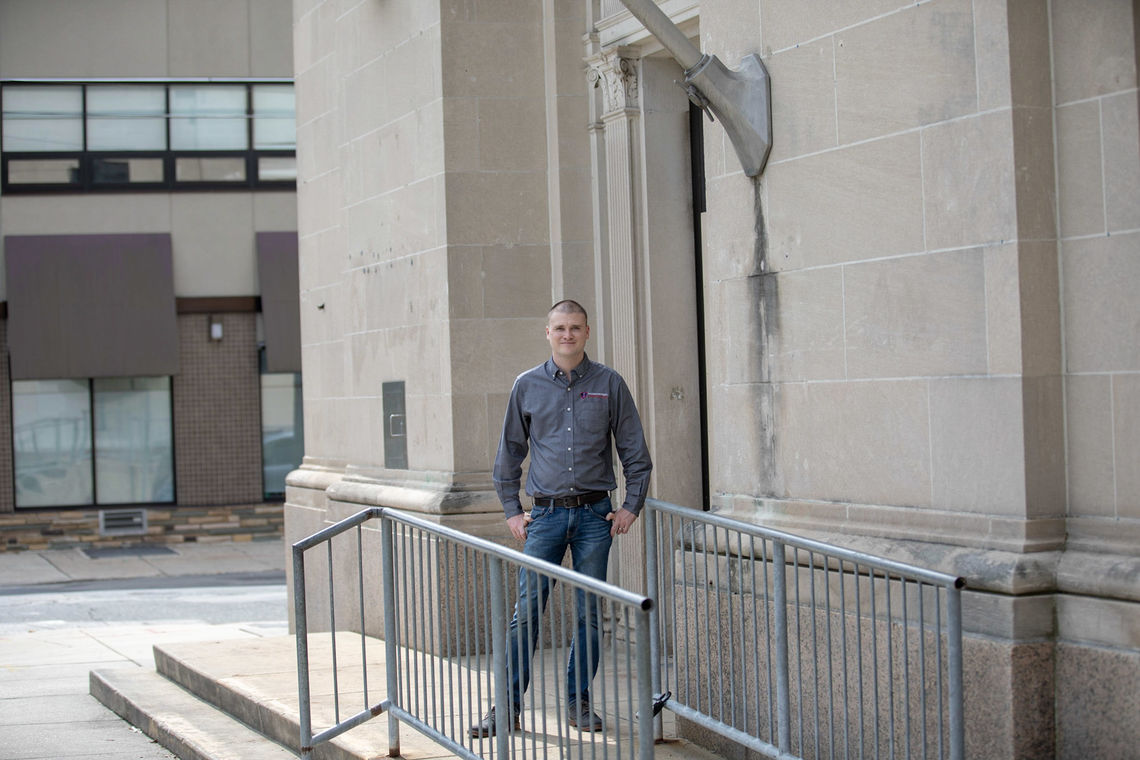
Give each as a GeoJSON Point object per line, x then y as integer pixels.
{"type": "Point", "coordinates": [209, 604]}
{"type": "Point", "coordinates": [64, 613]}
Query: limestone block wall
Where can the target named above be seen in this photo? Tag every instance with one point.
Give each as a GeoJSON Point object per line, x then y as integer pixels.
{"type": "Point", "coordinates": [887, 293]}
{"type": "Point", "coordinates": [1099, 221]}
{"type": "Point", "coordinates": [442, 148]}
{"type": "Point", "coordinates": [369, 195]}
{"type": "Point", "coordinates": [923, 327]}
{"type": "Point", "coordinates": [1098, 164]}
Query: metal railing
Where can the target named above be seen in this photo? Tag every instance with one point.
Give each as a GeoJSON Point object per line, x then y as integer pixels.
{"type": "Point", "coordinates": [446, 598]}
{"type": "Point", "coordinates": [799, 649]}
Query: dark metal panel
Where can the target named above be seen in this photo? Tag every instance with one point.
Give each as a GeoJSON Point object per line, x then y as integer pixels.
{"type": "Point", "coordinates": [280, 300]}
{"type": "Point", "coordinates": [395, 426]}
{"type": "Point", "coordinates": [91, 306]}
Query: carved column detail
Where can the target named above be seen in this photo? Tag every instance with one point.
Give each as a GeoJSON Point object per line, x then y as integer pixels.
{"type": "Point", "coordinates": [617, 76]}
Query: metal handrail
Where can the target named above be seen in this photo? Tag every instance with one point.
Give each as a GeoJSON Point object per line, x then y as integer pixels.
{"type": "Point", "coordinates": [406, 679]}
{"type": "Point", "coordinates": [752, 597]}
{"type": "Point", "coordinates": [784, 609]}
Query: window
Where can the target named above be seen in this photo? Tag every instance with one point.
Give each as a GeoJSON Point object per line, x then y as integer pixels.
{"type": "Point", "coordinates": [208, 118]}
{"type": "Point", "coordinates": [126, 118]}
{"type": "Point", "coordinates": [274, 106]}
{"type": "Point", "coordinates": [282, 428]}
{"type": "Point", "coordinates": [102, 136]}
{"type": "Point", "coordinates": [44, 119]}
{"type": "Point", "coordinates": [86, 442]}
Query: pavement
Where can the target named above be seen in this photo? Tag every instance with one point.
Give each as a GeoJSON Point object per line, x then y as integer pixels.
{"type": "Point", "coordinates": [46, 710]}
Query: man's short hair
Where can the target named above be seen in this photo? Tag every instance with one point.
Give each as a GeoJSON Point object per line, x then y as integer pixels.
{"type": "Point", "coordinates": [568, 307]}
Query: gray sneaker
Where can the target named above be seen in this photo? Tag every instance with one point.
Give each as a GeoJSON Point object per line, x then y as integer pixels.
{"type": "Point", "coordinates": [583, 718]}
{"type": "Point", "coordinates": [486, 727]}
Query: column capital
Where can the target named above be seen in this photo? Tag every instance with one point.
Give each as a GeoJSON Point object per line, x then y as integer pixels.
{"type": "Point", "coordinates": [615, 71]}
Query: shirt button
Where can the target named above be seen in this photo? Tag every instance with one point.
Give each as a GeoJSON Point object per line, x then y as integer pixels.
{"type": "Point", "coordinates": [571, 469]}
{"type": "Point", "coordinates": [567, 429]}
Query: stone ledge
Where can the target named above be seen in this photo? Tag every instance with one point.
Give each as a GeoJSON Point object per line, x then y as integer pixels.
{"type": "Point", "coordinates": [977, 531]}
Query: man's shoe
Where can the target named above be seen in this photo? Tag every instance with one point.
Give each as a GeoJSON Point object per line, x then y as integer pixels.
{"type": "Point", "coordinates": [486, 727]}
{"type": "Point", "coordinates": [583, 718]}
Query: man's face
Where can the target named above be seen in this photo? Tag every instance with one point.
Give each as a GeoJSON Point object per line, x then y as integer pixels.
{"type": "Point", "coordinates": [567, 334]}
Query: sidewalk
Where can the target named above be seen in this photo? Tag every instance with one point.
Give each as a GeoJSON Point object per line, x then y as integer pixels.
{"type": "Point", "coordinates": [39, 568]}
{"type": "Point", "coordinates": [45, 708]}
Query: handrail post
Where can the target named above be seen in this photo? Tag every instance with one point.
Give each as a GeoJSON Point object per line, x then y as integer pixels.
{"type": "Point", "coordinates": [503, 710]}
{"type": "Point", "coordinates": [301, 628]}
{"type": "Point", "coordinates": [653, 591]}
{"type": "Point", "coordinates": [391, 659]}
{"type": "Point", "coordinates": [954, 676]}
{"type": "Point", "coordinates": [646, 720]}
{"type": "Point", "coordinates": [783, 702]}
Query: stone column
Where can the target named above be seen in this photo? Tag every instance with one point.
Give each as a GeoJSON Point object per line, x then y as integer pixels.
{"type": "Point", "coordinates": [616, 73]}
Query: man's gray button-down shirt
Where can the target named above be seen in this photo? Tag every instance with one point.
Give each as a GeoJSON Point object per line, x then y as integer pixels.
{"type": "Point", "coordinates": [569, 425]}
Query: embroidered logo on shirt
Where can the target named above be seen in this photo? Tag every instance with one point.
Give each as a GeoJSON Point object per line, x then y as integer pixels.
{"type": "Point", "coordinates": [585, 395]}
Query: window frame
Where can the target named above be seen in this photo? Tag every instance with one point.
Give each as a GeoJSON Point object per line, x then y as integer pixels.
{"type": "Point", "coordinates": [85, 181]}
{"type": "Point", "coordinates": [94, 454]}
{"type": "Point", "coordinates": [298, 387]}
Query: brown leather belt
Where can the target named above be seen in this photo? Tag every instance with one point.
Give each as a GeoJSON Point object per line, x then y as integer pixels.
{"type": "Point", "coordinates": [579, 500]}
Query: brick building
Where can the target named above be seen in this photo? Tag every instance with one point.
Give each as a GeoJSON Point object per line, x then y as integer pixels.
{"type": "Point", "coordinates": [148, 293]}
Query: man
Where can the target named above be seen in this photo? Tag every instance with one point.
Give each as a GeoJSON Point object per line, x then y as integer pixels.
{"type": "Point", "coordinates": [568, 413]}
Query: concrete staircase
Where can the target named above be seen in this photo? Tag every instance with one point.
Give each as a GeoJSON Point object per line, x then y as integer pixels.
{"type": "Point", "coordinates": [237, 700]}
{"type": "Point", "coordinates": [191, 728]}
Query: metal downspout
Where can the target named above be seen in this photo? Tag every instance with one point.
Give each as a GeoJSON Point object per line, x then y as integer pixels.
{"type": "Point", "coordinates": [741, 99]}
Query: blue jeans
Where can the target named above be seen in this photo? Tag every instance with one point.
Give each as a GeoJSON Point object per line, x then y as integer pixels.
{"type": "Point", "coordinates": [586, 531]}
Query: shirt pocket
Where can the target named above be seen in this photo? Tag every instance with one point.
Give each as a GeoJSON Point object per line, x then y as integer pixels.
{"type": "Point", "coordinates": [595, 416]}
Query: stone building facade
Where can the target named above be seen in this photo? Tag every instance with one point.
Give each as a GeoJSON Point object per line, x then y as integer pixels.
{"type": "Point", "coordinates": [914, 334]}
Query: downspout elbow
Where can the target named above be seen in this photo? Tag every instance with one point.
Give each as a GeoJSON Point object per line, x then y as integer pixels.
{"type": "Point", "coordinates": [741, 99]}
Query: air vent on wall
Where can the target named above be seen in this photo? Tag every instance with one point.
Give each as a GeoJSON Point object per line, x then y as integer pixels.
{"type": "Point", "coordinates": [122, 522]}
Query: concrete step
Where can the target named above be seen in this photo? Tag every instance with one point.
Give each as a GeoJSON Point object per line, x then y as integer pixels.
{"type": "Point", "coordinates": [255, 681]}
{"type": "Point", "coordinates": [187, 726]}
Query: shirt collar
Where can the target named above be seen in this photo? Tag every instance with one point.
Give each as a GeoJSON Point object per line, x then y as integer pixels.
{"type": "Point", "coordinates": [577, 373]}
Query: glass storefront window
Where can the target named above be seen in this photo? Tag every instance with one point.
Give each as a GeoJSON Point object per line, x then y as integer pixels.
{"type": "Point", "coordinates": [51, 439]}
{"type": "Point", "coordinates": [46, 118]}
{"type": "Point", "coordinates": [282, 429]}
{"type": "Point", "coordinates": [134, 462]}
{"type": "Point", "coordinates": [84, 442]}
{"type": "Point", "coordinates": [126, 117]}
{"type": "Point", "coordinates": [208, 117]}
